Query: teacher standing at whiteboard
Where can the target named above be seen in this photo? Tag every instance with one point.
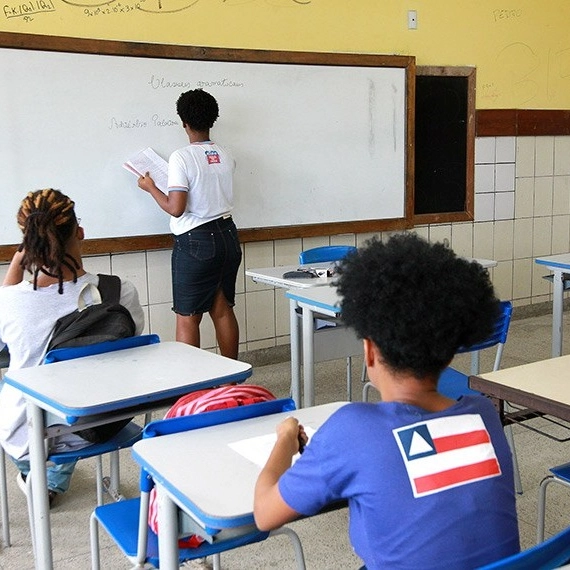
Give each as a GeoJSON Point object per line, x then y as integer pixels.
{"type": "Point", "coordinates": [206, 253]}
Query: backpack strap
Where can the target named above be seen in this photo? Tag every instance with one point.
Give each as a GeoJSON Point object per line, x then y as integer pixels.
{"type": "Point", "coordinates": [110, 288]}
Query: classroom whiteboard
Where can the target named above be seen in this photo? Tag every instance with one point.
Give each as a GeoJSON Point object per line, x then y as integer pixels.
{"type": "Point", "coordinates": [312, 143]}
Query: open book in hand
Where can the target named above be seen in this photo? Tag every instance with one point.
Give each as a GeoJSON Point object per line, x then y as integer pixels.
{"type": "Point", "coordinates": [148, 161]}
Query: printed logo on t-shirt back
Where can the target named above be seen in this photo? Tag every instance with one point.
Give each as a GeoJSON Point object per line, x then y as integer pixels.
{"type": "Point", "coordinates": [443, 453]}
{"type": "Point", "coordinates": [212, 157]}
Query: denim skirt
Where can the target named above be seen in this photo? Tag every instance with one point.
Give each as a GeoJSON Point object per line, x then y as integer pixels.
{"type": "Point", "coordinates": [205, 259]}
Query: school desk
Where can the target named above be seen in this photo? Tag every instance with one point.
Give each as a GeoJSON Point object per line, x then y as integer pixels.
{"type": "Point", "coordinates": [97, 389]}
{"type": "Point", "coordinates": [332, 342]}
{"type": "Point", "coordinates": [313, 301]}
{"type": "Point", "coordinates": [275, 276]}
{"type": "Point", "coordinates": [560, 266]}
{"type": "Point", "coordinates": [216, 491]}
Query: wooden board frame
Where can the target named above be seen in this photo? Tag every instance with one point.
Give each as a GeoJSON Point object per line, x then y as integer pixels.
{"type": "Point", "coordinates": [468, 213]}
{"type": "Point", "coordinates": [167, 51]}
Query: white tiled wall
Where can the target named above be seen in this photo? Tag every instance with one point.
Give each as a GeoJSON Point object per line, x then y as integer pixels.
{"type": "Point", "coordinates": [522, 210]}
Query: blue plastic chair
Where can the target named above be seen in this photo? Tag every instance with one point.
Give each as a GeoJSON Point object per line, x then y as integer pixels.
{"type": "Point", "coordinates": [553, 553]}
{"type": "Point", "coordinates": [126, 522]}
{"type": "Point", "coordinates": [455, 384]}
{"type": "Point", "coordinates": [324, 254]}
{"type": "Point", "coordinates": [559, 474]}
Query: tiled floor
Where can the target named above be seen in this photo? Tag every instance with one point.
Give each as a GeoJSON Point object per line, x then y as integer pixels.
{"type": "Point", "coordinates": [324, 538]}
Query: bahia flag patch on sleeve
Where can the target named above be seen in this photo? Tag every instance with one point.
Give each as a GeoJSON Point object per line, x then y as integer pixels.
{"type": "Point", "coordinates": [446, 452]}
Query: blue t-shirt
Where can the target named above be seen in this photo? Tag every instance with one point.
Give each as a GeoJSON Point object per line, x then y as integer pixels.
{"type": "Point", "coordinates": [425, 490]}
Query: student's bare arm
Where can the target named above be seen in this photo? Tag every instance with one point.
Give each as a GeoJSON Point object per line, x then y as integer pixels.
{"type": "Point", "coordinates": [15, 272]}
{"type": "Point", "coordinates": [269, 509]}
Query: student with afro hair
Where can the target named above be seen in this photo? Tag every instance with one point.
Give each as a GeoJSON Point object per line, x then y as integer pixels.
{"type": "Point", "coordinates": [428, 480]}
{"type": "Point", "coordinates": [207, 254]}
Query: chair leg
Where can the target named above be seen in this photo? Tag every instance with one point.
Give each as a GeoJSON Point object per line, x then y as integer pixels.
{"type": "Point", "coordinates": [110, 484]}
{"type": "Point", "coordinates": [365, 390]}
{"type": "Point", "coordinates": [99, 480]}
{"type": "Point", "coordinates": [94, 539]}
{"type": "Point", "coordinates": [30, 510]}
{"type": "Point", "coordinates": [295, 541]}
{"type": "Point", "coordinates": [516, 472]}
{"type": "Point", "coordinates": [4, 499]}
{"type": "Point", "coordinates": [114, 490]}
{"type": "Point", "coordinates": [349, 378]}
{"type": "Point", "coordinates": [363, 375]}
{"type": "Point", "coordinates": [542, 504]}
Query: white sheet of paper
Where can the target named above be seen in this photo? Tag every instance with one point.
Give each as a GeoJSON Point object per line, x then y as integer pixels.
{"type": "Point", "coordinates": [257, 449]}
{"type": "Point", "coordinates": [148, 161]}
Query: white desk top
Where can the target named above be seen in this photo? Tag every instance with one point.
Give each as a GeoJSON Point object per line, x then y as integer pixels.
{"type": "Point", "coordinates": [544, 379]}
{"type": "Point", "coordinates": [274, 276]}
{"type": "Point", "coordinates": [210, 480]}
{"type": "Point", "coordinates": [561, 260]}
{"type": "Point", "coordinates": [124, 378]}
{"type": "Point", "coordinates": [325, 299]}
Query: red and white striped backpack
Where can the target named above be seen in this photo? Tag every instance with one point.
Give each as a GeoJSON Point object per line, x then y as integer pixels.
{"type": "Point", "coordinates": [200, 401]}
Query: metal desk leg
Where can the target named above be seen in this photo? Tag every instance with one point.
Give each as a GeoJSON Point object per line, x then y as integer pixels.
{"type": "Point", "coordinates": [168, 535]}
{"type": "Point", "coordinates": [295, 353]}
{"type": "Point", "coordinates": [557, 312]}
{"type": "Point", "coordinates": [308, 358]}
{"type": "Point", "coordinates": [40, 504]}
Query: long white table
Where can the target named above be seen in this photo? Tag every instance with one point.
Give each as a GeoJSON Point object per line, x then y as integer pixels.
{"type": "Point", "coordinates": [216, 491]}
{"type": "Point", "coordinates": [559, 265]}
{"type": "Point", "coordinates": [102, 388]}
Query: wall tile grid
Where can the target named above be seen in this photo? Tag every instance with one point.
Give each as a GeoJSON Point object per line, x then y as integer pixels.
{"type": "Point", "coordinates": [522, 210]}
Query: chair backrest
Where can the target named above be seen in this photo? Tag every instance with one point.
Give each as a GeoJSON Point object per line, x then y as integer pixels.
{"type": "Point", "coordinates": [179, 424]}
{"type": "Point", "coordinates": [552, 553]}
{"type": "Point", "coordinates": [325, 253]}
{"type": "Point", "coordinates": [497, 337]}
{"type": "Point", "coordinates": [217, 417]}
{"type": "Point", "coordinates": [60, 354]}
{"type": "Point", "coordinates": [500, 330]}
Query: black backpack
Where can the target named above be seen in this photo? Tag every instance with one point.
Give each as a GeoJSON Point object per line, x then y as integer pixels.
{"type": "Point", "coordinates": [105, 321]}
{"type": "Point", "coordinates": [108, 320]}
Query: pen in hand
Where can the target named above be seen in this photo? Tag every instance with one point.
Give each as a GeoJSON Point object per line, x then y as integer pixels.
{"type": "Point", "coordinates": [302, 439]}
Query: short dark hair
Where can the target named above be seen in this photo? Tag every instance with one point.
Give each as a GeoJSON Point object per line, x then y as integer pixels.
{"type": "Point", "coordinates": [197, 109]}
{"type": "Point", "coordinates": [418, 302]}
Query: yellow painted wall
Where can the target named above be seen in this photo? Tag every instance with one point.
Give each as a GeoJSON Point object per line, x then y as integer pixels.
{"type": "Point", "coordinates": [521, 48]}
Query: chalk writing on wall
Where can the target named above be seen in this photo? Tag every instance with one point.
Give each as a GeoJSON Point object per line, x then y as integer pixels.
{"type": "Point", "coordinates": [27, 11]}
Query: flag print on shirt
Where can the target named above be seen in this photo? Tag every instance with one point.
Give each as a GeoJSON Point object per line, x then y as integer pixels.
{"type": "Point", "coordinates": [212, 157]}
{"type": "Point", "coordinates": [447, 452]}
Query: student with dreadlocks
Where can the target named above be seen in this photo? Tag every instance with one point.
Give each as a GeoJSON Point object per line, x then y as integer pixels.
{"type": "Point", "coordinates": [51, 253]}
{"type": "Point", "coordinates": [206, 253]}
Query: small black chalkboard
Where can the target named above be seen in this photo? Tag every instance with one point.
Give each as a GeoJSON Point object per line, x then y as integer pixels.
{"type": "Point", "coordinates": [444, 142]}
